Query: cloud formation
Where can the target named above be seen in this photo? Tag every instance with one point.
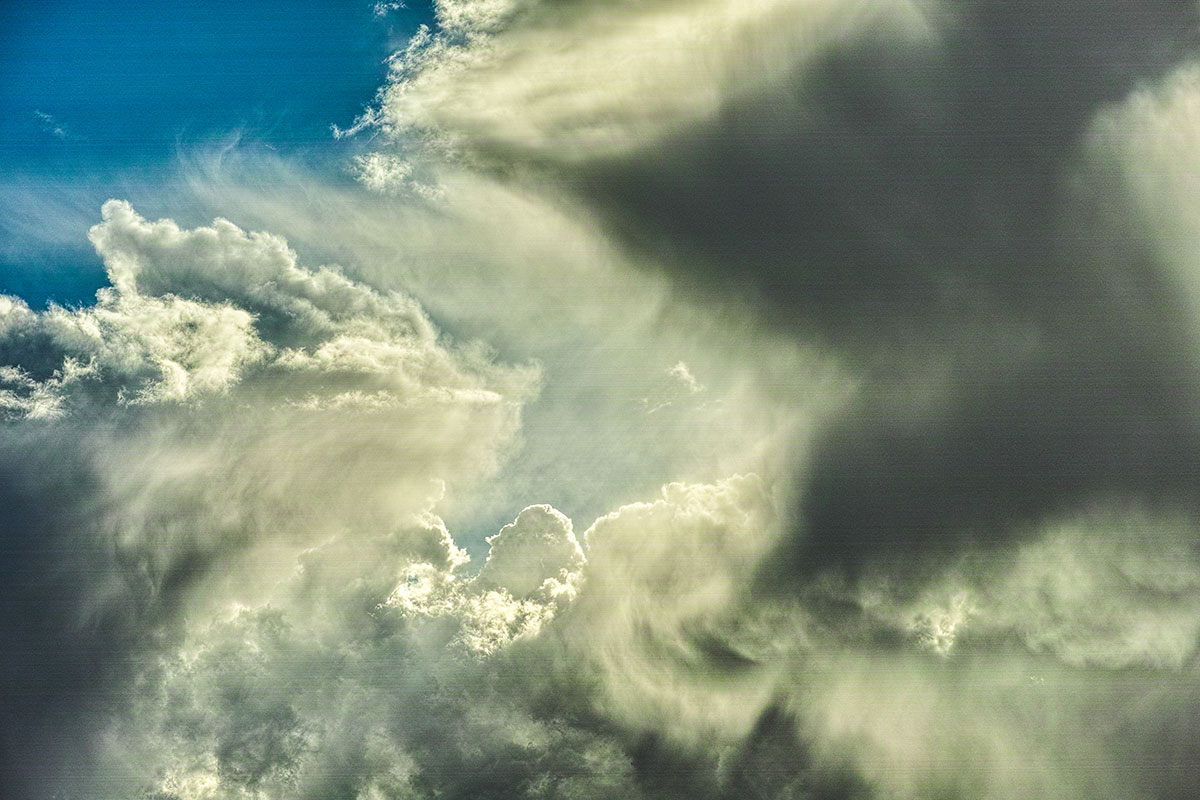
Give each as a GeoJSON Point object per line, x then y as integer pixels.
{"type": "Point", "coordinates": [981, 209]}
{"type": "Point", "coordinates": [903, 183]}
{"type": "Point", "coordinates": [216, 408]}
{"type": "Point", "coordinates": [373, 672]}
{"type": "Point", "coordinates": [894, 299]}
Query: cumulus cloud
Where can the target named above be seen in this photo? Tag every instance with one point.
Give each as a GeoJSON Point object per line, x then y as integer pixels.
{"type": "Point", "coordinates": [902, 193]}
{"type": "Point", "coordinates": [195, 313]}
{"type": "Point", "coordinates": [407, 676]}
{"type": "Point", "coordinates": [647, 674]}
{"type": "Point", "coordinates": [217, 408]}
{"type": "Point", "coordinates": [983, 210]}
{"type": "Point", "coordinates": [538, 546]}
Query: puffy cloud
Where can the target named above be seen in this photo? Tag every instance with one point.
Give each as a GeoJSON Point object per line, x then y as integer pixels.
{"type": "Point", "coordinates": [257, 271]}
{"type": "Point", "coordinates": [217, 411]}
{"type": "Point", "coordinates": [843, 177]}
{"type": "Point", "coordinates": [190, 312]}
{"type": "Point", "coordinates": [652, 617]}
{"type": "Point", "coordinates": [386, 674]}
{"type": "Point", "coordinates": [883, 178]}
{"type": "Point", "coordinates": [488, 259]}
{"type": "Point", "coordinates": [151, 349]}
{"type": "Point", "coordinates": [376, 676]}
{"type": "Point", "coordinates": [538, 546]}
{"type": "Point", "coordinates": [390, 174]}
{"type": "Point", "coordinates": [654, 677]}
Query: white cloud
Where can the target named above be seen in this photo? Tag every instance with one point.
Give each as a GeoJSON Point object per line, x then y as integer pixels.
{"type": "Point", "coordinates": [383, 9]}
{"type": "Point", "coordinates": [684, 375]}
{"type": "Point", "coordinates": [400, 672]}
{"type": "Point", "coordinates": [197, 313]}
{"type": "Point", "coordinates": [1139, 182]}
{"type": "Point", "coordinates": [662, 583]}
{"type": "Point", "coordinates": [52, 126]}
{"type": "Point", "coordinates": [599, 79]}
{"type": "Point", "coordinates": [151, 349]}
{"type": "Point", "coordinates": [269, 454]}
{"type": "Point", "coordinates": [531, 273]}
{"type": "Point", "coordinates": [225, 409]}
{"type": "Point", "coordinates": [390, 174]}
{"type": "Point", "coordinates": [538, 546]}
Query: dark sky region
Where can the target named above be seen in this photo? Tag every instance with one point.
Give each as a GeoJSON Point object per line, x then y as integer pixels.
{"type": "Point", "coordinates": [657, 399]}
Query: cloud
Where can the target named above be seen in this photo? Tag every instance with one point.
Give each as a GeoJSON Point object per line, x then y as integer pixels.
{"type": "Point", "coordinates": [908, 204]}
{"type": "Point", "coordinates": [52, 126]}
{"type": "Point", "coordinates": [408, 676]}
{"type": "Point", "coordinates": [489, 258]}
{"type": "Point", "coordinates": [383, 9]}
{"type": "Point", "coordinates": [982, 211]}
{"type": "Point", "coordinates": [659, 579]}
{"type": "Point", "coordinates": [390, 174]}
{"type": "Point", "coordinates": [907, 288]}
{"type": "Point", "coordinates": [538, 546]}
{"type": "Point", "coordinates": [1114, 588]}
{"type": "Point", "coordinates": [371, 671]}
{"type": "Point", "coordinates": [893, 183]}
{"type": "Point", "coordinates": [601, 79]}
{"type": "Point", "coordinates": [218, 408]}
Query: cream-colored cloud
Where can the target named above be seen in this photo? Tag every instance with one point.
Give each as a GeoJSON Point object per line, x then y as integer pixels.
{"type": "Point", "coordinates": [227, 408]}
{"type": "Point", "coordinates": [196, 313]}
{"type": "Point", "coordinates": [391, 175]}
{"type": "Point", "coordinates": [538, 546]}
{"type": "Point", "coordinates": [387, 648]}
{"type": "Point", "coordinates": [149, 349]}
{"type": "Point", "coordinates": [1113, 591]}
{"type": "Point", "coordinates": [255, 271]}
{"type": "Point", "coordinates": [566, 84]}
{"type": "Point", "coordinates": [397, 653]}
{"type": "Point", "coordinates": [661, 582]}
{"type": "Point", "coordinates": [534, 275]}
{"type": "Point", "coordinates": [265, 448]}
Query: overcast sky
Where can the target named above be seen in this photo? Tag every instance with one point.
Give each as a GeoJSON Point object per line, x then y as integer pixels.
{"type": "Point", "coordinates": [662, 399]}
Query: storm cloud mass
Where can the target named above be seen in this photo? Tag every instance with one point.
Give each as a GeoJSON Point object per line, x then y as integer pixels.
{"type": "Point", "coordinates": [775, 399]}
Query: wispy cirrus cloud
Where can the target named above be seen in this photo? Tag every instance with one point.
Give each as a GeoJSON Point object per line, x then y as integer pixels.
{"type": "Point", "coordinates": [52, 126]}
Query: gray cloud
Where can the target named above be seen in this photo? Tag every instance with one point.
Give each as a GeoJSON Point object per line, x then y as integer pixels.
{"type": "Point", "coordinates": [984, 210]}
{"type": "Point", "coordinates": [913, 194]}
{"type": "Point", "coordinates": [909, 206]}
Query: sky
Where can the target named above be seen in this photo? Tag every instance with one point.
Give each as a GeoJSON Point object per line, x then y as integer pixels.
{"type": "Point", "coordinates": [98, 94]}
{"type": "Point", "coordinates": [654, 399]}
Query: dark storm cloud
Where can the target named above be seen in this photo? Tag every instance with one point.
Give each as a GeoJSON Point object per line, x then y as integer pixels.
{"type": "Point", "coordinates": [925, 208]}
{"type": "Point", "coordinates": [895, 185]}
{"type": "Point", "coordinates": [56, 666]}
